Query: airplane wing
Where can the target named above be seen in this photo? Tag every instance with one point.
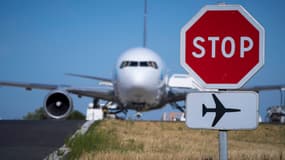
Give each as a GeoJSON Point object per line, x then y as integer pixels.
{"type": "Point", "coordinates": [263, 88]}
{"type": "Point", "coordinates": [30, 86]}
{"type": "Point", "coordinates": [177, 94]}
{"type": "Point", "coordinates": [181, 84]}
{"type": "Point", "coordinates": [105, 93]}
{"type": "Point", "coordinates": [89, 77]}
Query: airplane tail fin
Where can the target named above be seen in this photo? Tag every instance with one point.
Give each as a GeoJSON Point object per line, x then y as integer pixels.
{"type": "Point", "coordinates": [204, 110]}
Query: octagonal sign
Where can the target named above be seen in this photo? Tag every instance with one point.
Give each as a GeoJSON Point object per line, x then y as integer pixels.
{"type": "Point", "coordinates": [222, 46]}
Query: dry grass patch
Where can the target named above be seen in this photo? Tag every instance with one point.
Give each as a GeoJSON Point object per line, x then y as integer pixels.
{"type": "Point", "coordinates": [120, 140]}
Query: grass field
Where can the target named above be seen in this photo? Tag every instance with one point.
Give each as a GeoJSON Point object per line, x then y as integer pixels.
{"type": "Point", "coordinates": [124, 140]}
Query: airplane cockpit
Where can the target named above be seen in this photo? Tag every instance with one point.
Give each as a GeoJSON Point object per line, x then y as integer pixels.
{"type": "Point", "coordinates": [139, 64]}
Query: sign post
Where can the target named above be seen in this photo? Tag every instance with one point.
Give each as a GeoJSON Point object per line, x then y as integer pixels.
{"type": "Point", "coordinates": [222, 47]}
{"type": "Point", "coordinates": [223, 145]}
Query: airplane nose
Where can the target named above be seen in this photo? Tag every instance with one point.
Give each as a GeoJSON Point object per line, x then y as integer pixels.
{"type": "Point", "coordinates": [139, 86]}
{"type": "Point", "coordinates": [143, 81]}
{"type": "Point", "coordinates": [138, 81]}
{"type": "Point", "coordinates": [141, 90]}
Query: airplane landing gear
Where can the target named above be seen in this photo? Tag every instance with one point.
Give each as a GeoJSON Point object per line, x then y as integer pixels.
{"type": "Point", "coordinates": [177, 106]}
{"type": "Point", "coordinates": [107, 109]}
{"type": "Point", "coordinates": [139, 115]}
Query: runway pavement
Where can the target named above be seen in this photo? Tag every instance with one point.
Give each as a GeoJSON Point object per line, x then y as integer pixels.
{"type": "Point", "coordinates": [33, 140]}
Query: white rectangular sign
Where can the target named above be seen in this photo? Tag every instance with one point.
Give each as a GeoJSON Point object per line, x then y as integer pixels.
{"type": "Point", "coordinates": [222, 110]}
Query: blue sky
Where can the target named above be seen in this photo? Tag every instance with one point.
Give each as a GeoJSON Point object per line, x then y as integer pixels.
{"type": "Point", "coordinates": [42, 40]}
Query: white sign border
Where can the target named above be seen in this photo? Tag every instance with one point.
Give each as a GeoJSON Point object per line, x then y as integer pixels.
{"type": "Point", "coordinates": [189, 124]}
{"type": "Point", "coordinates": [251, 73]}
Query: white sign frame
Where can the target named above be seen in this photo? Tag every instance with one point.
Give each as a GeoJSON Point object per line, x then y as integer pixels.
{"type": "Point", "coordinates": [250, 18]}
{"type": "Point", "coordinates": [245, 119]}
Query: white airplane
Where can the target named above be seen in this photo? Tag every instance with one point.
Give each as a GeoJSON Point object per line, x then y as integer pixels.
{"type": "Point", "coordinates": [139, 83]}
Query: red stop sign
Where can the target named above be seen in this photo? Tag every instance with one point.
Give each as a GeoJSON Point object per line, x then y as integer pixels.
{"type": "Point", "coordinates": [222, 46]}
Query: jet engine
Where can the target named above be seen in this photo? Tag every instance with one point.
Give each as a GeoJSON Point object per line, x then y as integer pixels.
{"type": "Point", "coordinates": [58, 104]}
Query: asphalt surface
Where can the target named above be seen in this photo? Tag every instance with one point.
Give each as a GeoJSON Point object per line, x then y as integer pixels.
{"type": "Point", "coordinates": [34, 140]}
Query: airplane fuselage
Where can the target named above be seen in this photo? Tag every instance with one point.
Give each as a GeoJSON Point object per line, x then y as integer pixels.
{"type": "Point", "coordinates": [140, 79]}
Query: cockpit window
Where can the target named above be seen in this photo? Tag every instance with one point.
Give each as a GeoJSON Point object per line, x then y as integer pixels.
{"type": "Point", "coordinates": [153, 64]}
{"type": "Point", "coordinates": [139, 64]}
{"type": "Point", "coordinates": [143, 64]}
{"type": "Point", "coordinates": [133, 64]}
{"type": "Point", "coordinates": [124, 64]}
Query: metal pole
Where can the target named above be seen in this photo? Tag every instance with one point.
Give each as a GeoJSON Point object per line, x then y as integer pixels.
{"type": "Point", "coordinates": [145, 24]}
{"type": "Point", "coordinates": [223, 145]}
{"type": "Point", "coordinates": [281, 97]}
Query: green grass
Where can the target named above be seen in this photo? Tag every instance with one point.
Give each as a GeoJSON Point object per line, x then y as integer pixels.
{"type": "Point", "coordinates": [99, 139]}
